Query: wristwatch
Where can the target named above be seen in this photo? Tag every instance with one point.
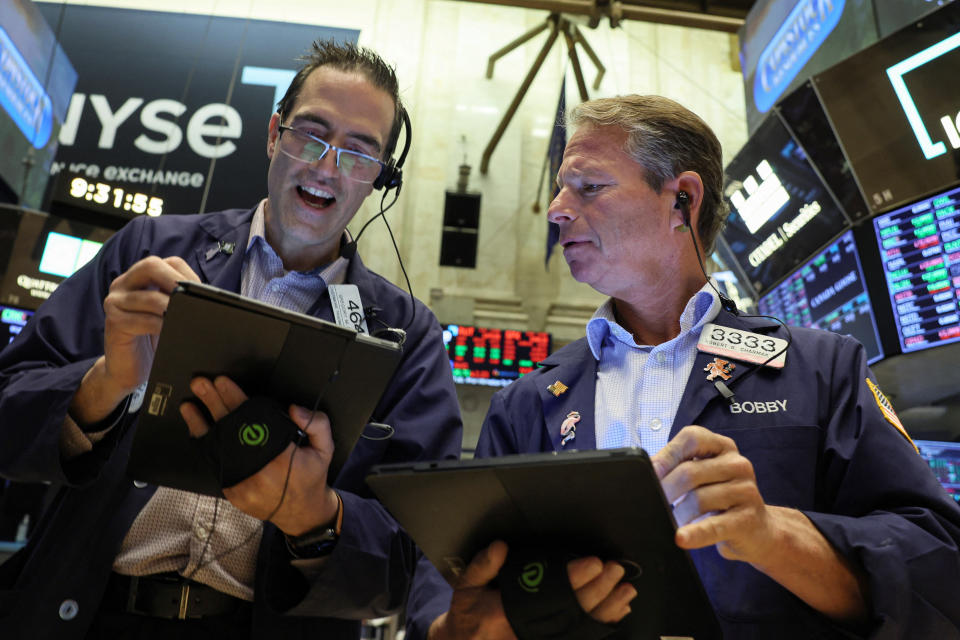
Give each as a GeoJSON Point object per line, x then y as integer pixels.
{"type": "Point", "coordinates": [318, 542]}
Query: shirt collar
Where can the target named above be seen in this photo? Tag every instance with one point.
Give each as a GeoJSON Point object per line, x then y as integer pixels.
{"type": "Point", "coordinates": [700, 309]}
{"type": "Point", "coordinates": [333, 273]}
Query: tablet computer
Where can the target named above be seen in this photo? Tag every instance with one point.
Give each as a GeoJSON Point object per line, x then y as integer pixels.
{"type": "Point", "coordinates": [266, 350]}
{"type": "Point", "coordinates": [606, 503]}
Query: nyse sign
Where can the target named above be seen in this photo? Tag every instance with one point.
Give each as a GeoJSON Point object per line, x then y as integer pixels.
{"type": "Point", "coordinates": [173, 106]}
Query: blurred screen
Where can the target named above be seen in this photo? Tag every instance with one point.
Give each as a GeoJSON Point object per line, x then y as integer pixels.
{"type": "Point", "coordinates": [493, 357]}
{"type": "Point", "coordinates": [828, 292]}
{"type": "Point", "coordinates": [12, 320]}
{"type": "Point", "coordinates": [944, 459]}
{"type": "Point", "coordinates": [784, 42]}
{"type": "Point", "coordinates": [895, 108]}
{"type": "Point", "coordinates": [780, 210]}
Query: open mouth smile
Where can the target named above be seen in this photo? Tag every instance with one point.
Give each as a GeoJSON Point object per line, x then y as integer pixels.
{"type": "Point", "coordinates": [316, 197]}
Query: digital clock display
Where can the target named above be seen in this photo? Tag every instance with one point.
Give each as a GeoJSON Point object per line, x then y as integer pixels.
{"type": "Point", "coordinates": [102, 193]}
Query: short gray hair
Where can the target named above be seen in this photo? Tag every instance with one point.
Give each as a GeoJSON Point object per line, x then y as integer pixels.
{"type": "Point", "coordinates": [666, 139]}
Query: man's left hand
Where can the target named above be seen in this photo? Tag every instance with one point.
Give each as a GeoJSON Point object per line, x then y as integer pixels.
{"type": "Point", "coordinates": [717, 502]}
{"type": "Point", "coordinates": [715, 496]}
{"type": "Point", "coordinates": [307, 501]}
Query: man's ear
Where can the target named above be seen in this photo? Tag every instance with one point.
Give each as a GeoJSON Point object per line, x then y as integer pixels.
{"type": "Point", "coordinates": [273, 134]}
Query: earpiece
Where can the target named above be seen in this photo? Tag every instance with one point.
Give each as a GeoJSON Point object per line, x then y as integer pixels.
{"type": "Point", "coordinates": [683, 203]}
{"type": "Point", "coordinates": [391, 175]}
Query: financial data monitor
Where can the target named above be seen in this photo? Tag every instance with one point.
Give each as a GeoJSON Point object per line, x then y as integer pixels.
{"type": "Point", "coordinates": [828, 292]}
{"type": "Point", "coordinates": [920, 252]}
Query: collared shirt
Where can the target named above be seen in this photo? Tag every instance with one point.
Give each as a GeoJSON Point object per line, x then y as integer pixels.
{"type": "Point", "coordinates": [205, 538]}
{"type": "Point", "coordinates": [639, 386]}
{"type": "Point", "coordinates": [264, 278]}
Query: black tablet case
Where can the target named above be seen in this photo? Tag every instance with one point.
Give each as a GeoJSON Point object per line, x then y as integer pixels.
{"type": "Point", "coordinates": [607, 503]}
{"type": "Point", "coordinates": [266, 350]}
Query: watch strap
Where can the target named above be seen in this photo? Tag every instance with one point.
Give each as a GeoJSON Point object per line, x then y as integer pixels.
{"type": "Point", "coordinates": [318, 542]}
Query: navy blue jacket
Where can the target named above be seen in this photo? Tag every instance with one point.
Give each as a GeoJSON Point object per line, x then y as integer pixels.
{"type": "Point", "coordinates": [818, 443]}
{"type": "Point", "coordinates": [69, 557]}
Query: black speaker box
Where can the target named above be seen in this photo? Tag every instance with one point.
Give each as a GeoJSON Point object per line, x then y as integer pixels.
{"type": "Point", "coordinates": [461, 210]}
{"type": "Point", "coordinates": [461, 224]}
{"type": "Point", "coordinates": [458, 248]}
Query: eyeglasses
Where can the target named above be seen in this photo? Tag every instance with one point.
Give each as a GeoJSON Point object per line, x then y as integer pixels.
{"type": "Point", "coordinates": [306, 147]}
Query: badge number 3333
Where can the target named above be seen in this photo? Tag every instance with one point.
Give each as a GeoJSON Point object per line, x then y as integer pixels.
{"type": "Point", "coordinates": [744, 346]}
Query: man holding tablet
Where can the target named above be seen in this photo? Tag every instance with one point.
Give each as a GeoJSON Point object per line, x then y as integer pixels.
{"type": "Point", "coordinates": [806, 508]}
{"type": "Point", "coordinates": [287, 554]}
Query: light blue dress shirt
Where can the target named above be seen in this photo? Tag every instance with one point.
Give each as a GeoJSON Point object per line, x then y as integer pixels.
{"type": "Point", "coordinates": [639, 386]}
{"type": "Point", "coordinates": [264, 278]}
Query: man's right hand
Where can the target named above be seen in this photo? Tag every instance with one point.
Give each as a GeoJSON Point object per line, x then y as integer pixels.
{"type": "Point", "coordinates": [476, 611]}
{"type": "Point", "coordinates": [133, 317]}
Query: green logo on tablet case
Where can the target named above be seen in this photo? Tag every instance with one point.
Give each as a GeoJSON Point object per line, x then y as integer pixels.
{"type": "Point", "coordinates": [254, 435]}
{"type": "Point", "coordinates": [531, 577]}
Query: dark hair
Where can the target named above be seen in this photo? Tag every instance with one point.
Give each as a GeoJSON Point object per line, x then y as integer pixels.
{"type": "Point", "coordinates": [666, 139]}
{"type": "Point", "coordinates": [348, 57]}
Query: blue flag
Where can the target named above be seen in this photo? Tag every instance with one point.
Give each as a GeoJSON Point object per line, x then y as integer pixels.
{"type": "Point", "coordinates": [558, 140]}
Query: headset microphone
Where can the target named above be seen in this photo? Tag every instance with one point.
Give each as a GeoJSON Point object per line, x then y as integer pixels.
{"type": "Point", "coordinates": [725, 390]}
{"type": "Point", "coordinates": [390, 179]}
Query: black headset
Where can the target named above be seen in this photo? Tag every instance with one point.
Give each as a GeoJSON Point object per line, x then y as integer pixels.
{"type": "Point", "coordinates": [391, 174]}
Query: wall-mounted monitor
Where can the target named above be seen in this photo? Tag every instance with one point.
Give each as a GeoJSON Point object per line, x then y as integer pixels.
{"type": "Point", "coordinates": [895, 108]}
{"type": "Point", "coordinates": [12, 321]}
{"type": "Point", "coordinates": [784, 42]}
{"type": "Point", "coordinates": [493, 357]}
{"type": "Point", "coordinates": [944, 459]}
{"type": "Point", "coordinates": [780, 210]}
{"type": "Point", "coordinates": [36, 82]}
{"type": "Point", "coordinates": [828, 292]}
{"type": "Point", "coordinates": [896, 14]}
{"type": "Point", "coordinates": [804, 116]}
{"type": "Point", "coordinates": [39, 250]}
{"type": "Point", "coordinates": [920, 251]}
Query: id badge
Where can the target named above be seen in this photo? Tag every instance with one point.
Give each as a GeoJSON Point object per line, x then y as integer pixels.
{"type": "Point", "coordinates": [741, 345]}
{"type": "Point", "coordinates": [347, 307]}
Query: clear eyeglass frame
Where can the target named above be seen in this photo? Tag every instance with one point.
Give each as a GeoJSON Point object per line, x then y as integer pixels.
{"type": "Point", "coordinates": [306, 147]}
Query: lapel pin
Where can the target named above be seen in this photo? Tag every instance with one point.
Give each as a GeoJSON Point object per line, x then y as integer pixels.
{"type": "Point", "coordinates": [719, 368]}
{"type": "Point", "coordinates": [568, 430]}
{"type": "Point", "coordinates": [557, 388]}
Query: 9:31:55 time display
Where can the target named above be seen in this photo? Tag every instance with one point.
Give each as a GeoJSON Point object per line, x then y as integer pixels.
{"type": "Point", "coordinates": [107, 194]}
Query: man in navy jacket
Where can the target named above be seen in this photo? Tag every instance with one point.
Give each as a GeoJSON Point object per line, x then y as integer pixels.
{"type": "Point", "coordinates": [806, 507]}
{"type": "Point", "coordinates": [111, 552]}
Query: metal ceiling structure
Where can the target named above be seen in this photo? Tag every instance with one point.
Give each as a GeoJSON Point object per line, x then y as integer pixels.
{"type": "Point", "coordinates": [718, 15]}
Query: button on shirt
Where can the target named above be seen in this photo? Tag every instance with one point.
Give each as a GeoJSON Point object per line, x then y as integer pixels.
{"type": "Point", "coordinates": [201, 537]}
{"type": "Point", "coordinates": [639, 386]}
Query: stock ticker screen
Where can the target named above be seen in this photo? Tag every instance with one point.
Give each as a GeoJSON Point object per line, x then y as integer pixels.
{"type": "Point", "coordinates": [920, 250]}
{"type": "Point", "coordinates": [944, 459]}
{"type": "Point", "coordinates": [828, 292]}
{"type": "Point", "coordinates": [493, 357]}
